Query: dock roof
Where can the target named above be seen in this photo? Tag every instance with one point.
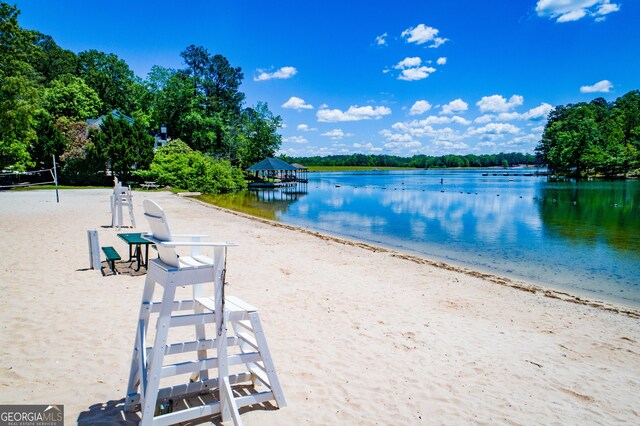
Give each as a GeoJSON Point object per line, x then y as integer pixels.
{"type": "Point", "coordinates": [271, 164]}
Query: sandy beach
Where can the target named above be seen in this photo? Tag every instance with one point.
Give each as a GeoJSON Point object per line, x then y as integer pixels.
{"type": "Point", "coordinates": [358, 335]}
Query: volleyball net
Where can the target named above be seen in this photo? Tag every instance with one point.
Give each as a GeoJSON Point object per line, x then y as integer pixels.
{"type": "Point", "coordinates": [10, 180]}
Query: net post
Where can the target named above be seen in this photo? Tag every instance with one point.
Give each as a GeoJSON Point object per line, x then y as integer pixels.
{"type": "Point", "coordinates": [55, 177]}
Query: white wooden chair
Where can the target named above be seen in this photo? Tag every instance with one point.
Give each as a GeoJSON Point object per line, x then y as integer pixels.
{"type": "Point", "coordinates": [245, 348]}
{"type": "Point", "coordinates": [121, 197]}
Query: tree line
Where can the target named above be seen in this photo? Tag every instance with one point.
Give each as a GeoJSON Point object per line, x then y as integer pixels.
{"type": "Point", "coordinates": [417, 161]}
{"type": "Point", "coordinates": [594, 138]}
{"type": "Point", "coordinates": [47, 93]}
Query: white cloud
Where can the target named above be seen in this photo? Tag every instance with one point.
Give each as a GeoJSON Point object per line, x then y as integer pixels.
{"type": "Point", "coordinates": [411, 69]}
{"type": "Point", "coordinates": [434, 119]}
{"type": "Point", "coordinates": [496, 103]}
{"type": "Point", "coordinates": [296, 103]}
{"type": "Point", "coordinates": [354, 113]}
{"type": "Point", "coordinates": [494, 129]}
{"type": "Point", "coordinates": [424, 125]}
{"type": "Point", "coordinates": [524, 140]}
{"type": "Point", "coordinates": [396, 137]}
{"type": "Point", "coordinates": [419, 107]}
{"type": "Point", "coordinates": [397, 146]}
{"type": "Point", "coordinates": [381, 40]}
{"type": "Point", "coordinates": [451, 145]}
{"type": "Point", "coordinates": [306, 128]}
{"type": "Point", "coordinates": [573, 10]}
{"type": "Point", "coordinates": [368, 146]}
{"type": "Point", "coordinates": [420, 129]}
{"type": "Point", "coordinates": [454, 106]}
{"type": "Point", "coordinates": [282, 73]}
{"type": "Point", "coordinates": [607, 8]}
{"type": "Point", "coordinates": [484, 118]}
{"type": "Point", "coordinates": [441, 61]}
{"type": "Point", "coordinates": [423, 34]}
{"type": "Point", "coordinates": [603, 86]}
{"type": "Point", "coordinates": [439, 41]}
{"type": "Point", "coordinates": [295, 139]}
{"type": "Point", "coordinates": [508, 116]}
{"type": "Point", "coordinates": [336, 134]}
{"type": "Point", "coordinates": [538, 112]}
{"type": "Point", "coordinates": [408, 63]}
{"type": "Point", "coordinates": [418, 73]}
{"type": "Point", "coordinates": [486, 144]}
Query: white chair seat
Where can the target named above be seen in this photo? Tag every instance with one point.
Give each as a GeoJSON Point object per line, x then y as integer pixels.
{"type": "Point", "coordinates": [194, 261]}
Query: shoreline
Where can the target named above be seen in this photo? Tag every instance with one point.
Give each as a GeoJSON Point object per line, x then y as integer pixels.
{"type": "Point", "coordinates": [534, 288]}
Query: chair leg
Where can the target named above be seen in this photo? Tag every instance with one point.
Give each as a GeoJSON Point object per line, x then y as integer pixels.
{"type": "Point", "coordinates": [261, 340]}
{"type": "Point", "coordinates": [157, 356]}
{"type": "Point", "coordinates": [112, 266]}
{"type": "Point", "coordinates": [137, 368]}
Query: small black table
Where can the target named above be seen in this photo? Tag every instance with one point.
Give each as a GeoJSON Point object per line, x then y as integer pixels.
{"type": "Point", "coordinates": [136, 239]}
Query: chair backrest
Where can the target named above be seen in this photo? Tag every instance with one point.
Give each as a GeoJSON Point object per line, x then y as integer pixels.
{"type": "Point", "coordinates": [160, 231]}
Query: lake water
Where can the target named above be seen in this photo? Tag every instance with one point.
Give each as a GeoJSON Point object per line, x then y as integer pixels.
{"type": "Point", "coordinates": [580, 236]}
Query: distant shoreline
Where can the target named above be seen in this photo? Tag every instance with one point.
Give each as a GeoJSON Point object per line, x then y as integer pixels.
{"type": "Point", "coordinates": [313, 169]}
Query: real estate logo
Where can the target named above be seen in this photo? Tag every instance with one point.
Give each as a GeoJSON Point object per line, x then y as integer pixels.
{"type": "Point", "coordinates": [32, 415]}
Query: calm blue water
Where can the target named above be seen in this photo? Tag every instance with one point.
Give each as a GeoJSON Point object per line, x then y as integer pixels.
{"type": "Point", "coordinates": [579, 236]}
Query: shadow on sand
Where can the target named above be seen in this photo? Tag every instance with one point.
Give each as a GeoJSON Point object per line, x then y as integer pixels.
{"type": "Point", "coordinates": [112, 412]}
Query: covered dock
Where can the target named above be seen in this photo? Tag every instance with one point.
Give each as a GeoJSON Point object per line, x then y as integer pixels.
{"type": "Point", "coordinates": [302, 172]}
{"type": "Point", "coordinates": [275, 173]}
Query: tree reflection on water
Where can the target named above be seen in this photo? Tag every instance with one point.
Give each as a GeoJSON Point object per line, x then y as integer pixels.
{"type": "Point", "coordinates": [591, 212]}
{"type": "Point", "coordinates": [265, 203]}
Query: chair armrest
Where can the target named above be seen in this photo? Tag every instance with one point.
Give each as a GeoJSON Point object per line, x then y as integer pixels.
{"type": "Point", "coordinates": [195, 244]}
{"type": "Point", "coordinates": [189, 235]}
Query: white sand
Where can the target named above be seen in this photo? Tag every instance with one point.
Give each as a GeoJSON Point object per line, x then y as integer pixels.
{"type": "Point", "coordinates": [358, 336]}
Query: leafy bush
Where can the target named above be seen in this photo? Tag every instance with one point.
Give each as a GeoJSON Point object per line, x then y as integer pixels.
{"type": "Point", "coordinates": [179, 166]}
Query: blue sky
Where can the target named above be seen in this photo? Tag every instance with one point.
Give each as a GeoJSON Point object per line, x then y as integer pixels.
{"type": "Point", "coordinates": [401, 77]}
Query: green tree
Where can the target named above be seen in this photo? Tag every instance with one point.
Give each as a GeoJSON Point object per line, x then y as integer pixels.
{"type": "Point", "coordinates": [592, 138]}
{"type": "Point", "coordinates": [109, 76]}
{"type": "Point", "coordinates": [214, 116]}
{"type": "Point", "coordinates": [196, 59]}
{"type": "Point", "coordinates": [18, 91]}
{"type": "Point", "coordinates": [18, 104]}
{"type": "Point", "coordinates": [122, 146]}
{"type": "Point", "coordinates": [16, 45]}
{"type": "Point", "coordinates": [221, 85]}
{"type": "Point", "coordinates": [172, 92]}
{"type": "Point", "coordinates": [52, 61]}
{"type": "Point", "coordinates": [71, 97]}
{"type": "Point", "coordinates": [141, 103]}
{"type": "Point", "coordinates": [626, 116]}
{"type": "Point", "coordinates": [50, 140]}
{"type": "Point", "coordinates": [261, 135]}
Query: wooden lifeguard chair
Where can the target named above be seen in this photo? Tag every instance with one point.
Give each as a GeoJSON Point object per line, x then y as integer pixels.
{"type": "Point", "coordinates": [120, 198]}
{"type": "Point", "coordinates": [244, 350]}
